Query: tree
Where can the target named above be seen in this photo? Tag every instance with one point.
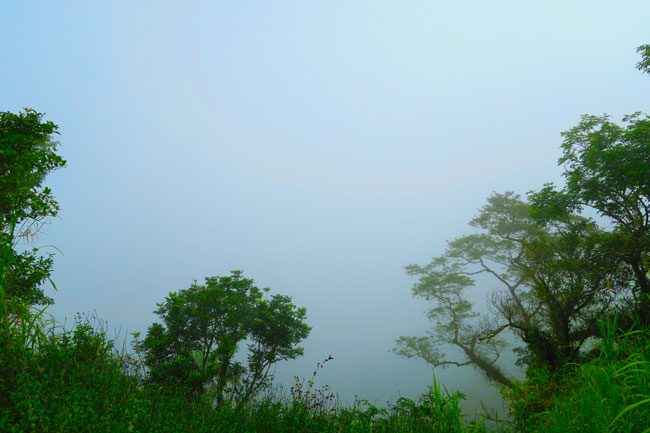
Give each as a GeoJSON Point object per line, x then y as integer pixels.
{"type": "Point", "coordinates": [572, 280]}
{"type": "Point", "coordinates": [27, 156]}
{"type": "Point", "coordinates": [554, 278]}
{"type": "Point", "coordinates": [202, 329]}
{"type": "Point", "coordinates": [607, 168]}
{"type": "Point", "coordinates": [559, 271]}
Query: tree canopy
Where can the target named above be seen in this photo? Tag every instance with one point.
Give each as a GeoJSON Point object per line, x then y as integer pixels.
{"type": "Point", "coordinates": [554, 280]}
{"type": "Point", "coordinates": [194, 349]}
{"type": "Point", "coordinates": [607, 168]}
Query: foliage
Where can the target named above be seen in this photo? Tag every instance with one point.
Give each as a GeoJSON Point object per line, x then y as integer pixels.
{"type": "Point", "coordinates": [77, 382]}
{"type": "Point", "coordinates": [445, 281]}
{"type": "Point", "coordinates": [275, 328]}
{"type": "Point", "coordinates": [557, 269]}
{"type": "Point", "coordinates": [555, 279]}
{"type": "Point", "coordinates": [27, 272]}
{"type": "Point", "coordinates": [574, 280]}
{"type": "Point", "coordinates": [193, 350]}
{"type": "Point", "coordinates": [610, 393]}
{"type": "Point", "coordinates": [644, 64]}
{"type": "Point", "coordinates": [71, 382]}
{"type": "Point", "coordinates": [607, 168]}
{"type": "Point", "coordinates": [27, 155]}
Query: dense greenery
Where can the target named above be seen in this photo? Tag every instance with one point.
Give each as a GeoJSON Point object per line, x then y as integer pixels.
{"type": "Point", "coordinates": [556, 280]}
{"type": "Point", "coordinates": [203, 328]}
{"type": "Point", "coordinates": [77, 383]}
{"type": "Point", "coordinates": [607, 168]}
{"type": "Point", "coordinates": [574, 295]}
{"type": "Point", "coordinates": [608, 393]}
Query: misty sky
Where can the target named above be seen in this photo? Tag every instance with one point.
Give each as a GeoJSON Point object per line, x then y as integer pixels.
{"type": "Point", "coordinates": [318, 146]}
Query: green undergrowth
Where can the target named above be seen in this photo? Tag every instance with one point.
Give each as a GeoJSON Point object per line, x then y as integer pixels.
{"type": "Point", "coordinates": [75, 381]}
{"type": "Point", "coordinates": [609, 392]}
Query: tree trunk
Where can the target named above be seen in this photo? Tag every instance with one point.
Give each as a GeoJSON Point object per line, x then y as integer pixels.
{"type": "Point", "coordinates": [491, 371]}
{"type": "Point", "coordinates": [644, 291]}
{"type": "Point", "coordinates": [221, 380]}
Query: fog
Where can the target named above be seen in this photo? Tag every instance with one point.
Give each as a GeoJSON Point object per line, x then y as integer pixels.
{"type": "Point", "coordinates": [317, 146]}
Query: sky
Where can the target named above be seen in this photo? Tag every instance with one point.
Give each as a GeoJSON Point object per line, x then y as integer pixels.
{"type": "Point", "coordinates": [317, 146]}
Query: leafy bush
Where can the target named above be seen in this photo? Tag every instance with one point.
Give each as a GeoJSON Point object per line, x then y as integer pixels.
{"type": "Point", "coordinates": [71, 382]}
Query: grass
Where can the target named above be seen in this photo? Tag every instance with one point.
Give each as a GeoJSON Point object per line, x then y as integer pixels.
{"type": "Point", "coordinates": [75, 381]}
{"type": "Point", "coordinates": [610, 393]}
{"type": "Point", "coordinates": [55, 380]}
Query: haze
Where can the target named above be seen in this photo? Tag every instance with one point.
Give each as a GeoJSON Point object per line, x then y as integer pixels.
{"type": "Point", "coordinates": [318, 146]}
